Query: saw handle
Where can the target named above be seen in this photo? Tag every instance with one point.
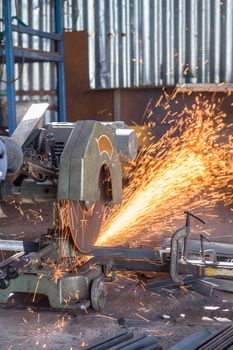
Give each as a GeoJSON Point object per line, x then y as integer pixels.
{"type": "Point", "coordinates": [14, 269]}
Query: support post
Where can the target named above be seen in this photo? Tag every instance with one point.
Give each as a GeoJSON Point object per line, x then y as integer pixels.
{"type": "Point", "coordinates": [9, 66]}
{"type": "Point", "coordinates": [59, 28]}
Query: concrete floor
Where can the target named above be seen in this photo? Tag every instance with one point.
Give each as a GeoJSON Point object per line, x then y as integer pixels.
{"type": "Point", "coordinates": [168, 314]}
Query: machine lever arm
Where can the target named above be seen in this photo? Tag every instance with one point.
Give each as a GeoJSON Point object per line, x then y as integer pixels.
{"type": "Point", "coordinates": [13, 270]}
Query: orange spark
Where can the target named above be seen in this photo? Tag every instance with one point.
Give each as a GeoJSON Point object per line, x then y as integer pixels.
{"type": "Point", "coordinates": [190, 167]}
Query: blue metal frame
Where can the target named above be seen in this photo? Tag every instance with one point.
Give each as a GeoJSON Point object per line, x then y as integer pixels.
{"type": "Point", "coordinates": [9, 54]}
{"type": "Point", "coordinates": [14, 55]}
{"type": "Point", "coordinates": [29, 56]}
{"type": "Point", "coordinates": [59, 29]}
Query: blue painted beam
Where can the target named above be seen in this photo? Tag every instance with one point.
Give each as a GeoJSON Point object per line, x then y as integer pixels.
{"type": "Point", "coordinates": [59, 29]}
{"type": "Point", "coordinates": [29, 55]}
{"type": "Point", "coordinates": [9, 54]}
{"type": "Point", "coordinates": [36, 55]}
{"type": "Point", "coordinates": [20, 55]}
{"type": "Point", "coordinates": [30, 31]}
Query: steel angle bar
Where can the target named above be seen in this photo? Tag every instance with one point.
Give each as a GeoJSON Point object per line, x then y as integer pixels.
{"type": "Point", "coordinates": [219, 341]}
{"type": "Point", "coordinates": [118, 339]}
{"type": "Point", "coordinates": [207, 339]}
{"type": "Point", "coordinates": [168, 283]}
{"type": "Point", "coordinates": [141, 342]}
{"type": "Point", "coordinates": [152, 347]}
{"type": "Point", "coordinates": [220, 284]}
{"type": "Point", "coordinates": [127, 341]}
{"type": "Point", "coordinates": [139, 265]}
{"type": "Point", "coordinates": [196, 339]}
{"type": "Point", "coordinates": [202, 287]}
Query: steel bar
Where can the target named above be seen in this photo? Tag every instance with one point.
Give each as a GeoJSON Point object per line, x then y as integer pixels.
{"type": "Point", "coordinates": [221, 249]}
{"type": "Point", "coordinates": [196, 339]}
{"type": "Point", "coordinates": [168, 283]}
{"type": "Point", "coordinates": [139, 265]}
{"type": "Point", "coordinates": [207, 339]}
{"type": "Point", "coordinates": [112, 341]}
{"type": "Point", "coordinates": [194, 246]}
{"type": "Point", "coordinates": [220, 284]}
{"type": "Point", "coordinates": [152, 347]}
{"type": "Point", "coordinates": [127, 341]}
{"type": "Point", "coordinates": [200, 286]}
{"type": "Point", "coordinates": [218, 342]}
{"type": "Point", "coordinates": [139, 343]}
{"type": "Point", "coordinates": [122, 252]}
{"type": "Point", "coordinates": [19, 246]}
{"type": "Point", "coordinates": [208, 264]}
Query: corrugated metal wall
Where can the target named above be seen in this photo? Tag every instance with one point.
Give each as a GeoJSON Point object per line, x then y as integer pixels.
{"type": "Point", "coordinates": [135, 43]}
{"type": "Point", "coordinates": [155, 42]}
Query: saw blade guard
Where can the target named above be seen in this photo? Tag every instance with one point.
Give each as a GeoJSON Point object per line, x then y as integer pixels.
{"type": "Point", "coordinates": [90, 177]}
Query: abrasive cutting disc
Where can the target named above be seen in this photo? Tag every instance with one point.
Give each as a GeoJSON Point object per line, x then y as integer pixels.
{"type": "Point", "coordinates": [85, 223]}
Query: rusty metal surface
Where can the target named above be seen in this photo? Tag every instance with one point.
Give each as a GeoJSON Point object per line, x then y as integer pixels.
{"type": "Point", "coordinates": [83, 103]}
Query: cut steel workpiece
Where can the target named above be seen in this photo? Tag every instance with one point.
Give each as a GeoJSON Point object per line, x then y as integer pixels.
{"type": "Point", "coordinates": [207, 339]}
